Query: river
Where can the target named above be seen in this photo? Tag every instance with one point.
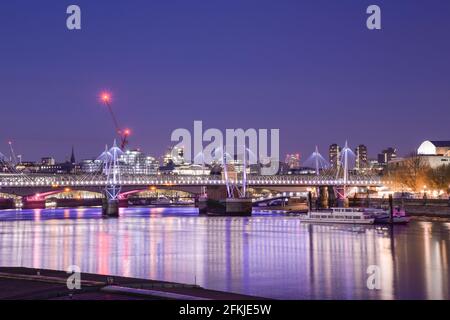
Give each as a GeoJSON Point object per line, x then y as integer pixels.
{"type": "Point", "coordinates": [268, 255]}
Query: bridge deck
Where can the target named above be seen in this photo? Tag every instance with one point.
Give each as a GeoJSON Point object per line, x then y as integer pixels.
{"type": "Point", "coordinates": [10, 180]}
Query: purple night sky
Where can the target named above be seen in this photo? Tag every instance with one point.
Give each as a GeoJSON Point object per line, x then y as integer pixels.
{"type": "Point", "coordinates": [310, 68]}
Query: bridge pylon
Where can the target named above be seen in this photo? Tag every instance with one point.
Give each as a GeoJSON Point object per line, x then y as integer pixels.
{"type": "Point", "coordinates": [110, 207]}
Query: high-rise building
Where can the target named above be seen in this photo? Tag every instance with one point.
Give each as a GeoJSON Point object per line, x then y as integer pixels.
{"type": "Point", "coordinates": [387, 155]}
{"type": "Point", "coordinates": [293, 160]}
{"type": "Point", "coordinates": [136, 162]}
{"type": "Point", "coordinates": [334, 154]}
{"type": "Point", "coordinates": [361, 157]}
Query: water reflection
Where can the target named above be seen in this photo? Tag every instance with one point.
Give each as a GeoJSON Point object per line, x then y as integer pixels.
{"type": "Point", "coordinates": [266, 255]}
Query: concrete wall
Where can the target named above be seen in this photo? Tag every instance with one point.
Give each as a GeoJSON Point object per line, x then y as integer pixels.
{"type": "Point", "coordinates": [428, 207]}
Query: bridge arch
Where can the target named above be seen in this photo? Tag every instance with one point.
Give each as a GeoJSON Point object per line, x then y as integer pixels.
{"type": "Point", "coordinates": [153, 189]}
{"type": "Point", "coordinates": [127, 191]}
{"type": "Point", "coordinates": [6, 195]}
{"type": "Point", "coordinates": [69, 194]}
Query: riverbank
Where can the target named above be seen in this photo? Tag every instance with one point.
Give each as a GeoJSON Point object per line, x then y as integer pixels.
{"type": "Point", "coordinates": [17, 283]}
{"type": "Point", "coordinates": [433, 208]}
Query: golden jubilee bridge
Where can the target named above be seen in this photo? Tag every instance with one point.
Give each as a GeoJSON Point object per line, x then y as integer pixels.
{"type": "Point", "coordinates": [39, 186]}
{"type": "Point", "coordinates": [40, 182]}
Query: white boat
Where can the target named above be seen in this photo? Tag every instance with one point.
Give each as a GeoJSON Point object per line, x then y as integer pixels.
{"type": "Point", "coordinates": [162, 201]}
{"type": "Point", "coordinates": [339, 215]}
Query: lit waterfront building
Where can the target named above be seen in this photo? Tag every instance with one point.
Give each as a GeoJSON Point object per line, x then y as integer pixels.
{"type": "Point", "coordinates": [361, 157]}
{"type": "Point", "coordinates": [432, 154]}
{"type": "Point", "coordinates": [136, 162]}
{"type": "Point", "coordinates": [434, 148]}
{"type": "Point", "coordinates": [49, 165]}
{"type": "Point", "coordinates": [58, 168]}
{"type": "Point", "coordinates": [132, 162]}
{"type": "Point", "coordinates": [174, 155]}
{"type": "Point", "coordinates": [237, 164]}
{"type": "Point", "coordinates": [387, 155]}
{"type": "Point", "coordinates": [191, 170]}
{"type": "Point", "coordinates": [48, 161]}
{"type": "Point", "coordinates": [334, 154]}
{"type": "Point", "coordinates": [91, 166]}
{"type": "Point", "coordinates": [375, 166]}
{"type": "Point", "coordinates": [293, 160]}
{"type": "Point", "coordinates": [27, 167]}
{"type": "Point", "coordinates": [302, 171]}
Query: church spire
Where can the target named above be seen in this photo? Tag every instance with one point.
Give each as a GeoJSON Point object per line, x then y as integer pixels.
{"type": "Point", "coordinates": [72, 157]}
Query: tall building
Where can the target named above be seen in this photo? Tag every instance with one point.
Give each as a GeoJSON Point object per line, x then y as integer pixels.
{"type": "Point", "coordinates": [334, 154]}
{"type": "Point", "coordinates": [131, 162]}
{"type": "Point", "coordinates": [361, 157]}
{"type": "Point", "coordinates": [136, 162]}
{"type": "Point", "coordinates": [72, 157]}
{"type": "Point", "coordinates": [387, 155]}
{"type": "Point", "coordinates": [293, 160]}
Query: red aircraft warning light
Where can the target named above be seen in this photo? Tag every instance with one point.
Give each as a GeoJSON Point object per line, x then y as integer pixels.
{"type": "Point", "coordinates": [105, 97]}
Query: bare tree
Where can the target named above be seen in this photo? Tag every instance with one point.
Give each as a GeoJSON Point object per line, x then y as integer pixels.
{"type": "Point", "coordinates": [439, 178]}
{"type": "Point", "coordinates": [410, 173]}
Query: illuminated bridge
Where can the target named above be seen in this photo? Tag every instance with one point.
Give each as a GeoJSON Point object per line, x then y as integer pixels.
{"type": "Point", "coordinates": [15, 182]}
{"type": "Point", "coordinates": [117, 186]}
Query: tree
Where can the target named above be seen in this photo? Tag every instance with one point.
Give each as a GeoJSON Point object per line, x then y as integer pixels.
{"type": "Point", "coordinates": [439, 178]}
{"type": "Point", "coordinates": [410, 173]}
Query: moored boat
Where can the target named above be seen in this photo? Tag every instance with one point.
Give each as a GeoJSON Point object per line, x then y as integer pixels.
{"type": "Point", "coordinates": [339, 215]}
{"type": "Point", "coordinates": [383, 216]}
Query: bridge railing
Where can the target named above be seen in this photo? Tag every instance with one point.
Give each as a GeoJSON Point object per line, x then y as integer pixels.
{"type": "Point", "coordinates": [11, 180]}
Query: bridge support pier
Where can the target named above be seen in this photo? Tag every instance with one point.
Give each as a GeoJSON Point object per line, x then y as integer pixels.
{"type": "Point", "coordinates": [110, 207]}
{"type": "Point", "coordinates": [342, 200]}
{"type": "Point", "coordinates": [6, 204]}
{"type": "Point", "coordinates": [218, 204]}
{"type": "Point", "coordinates": [323, 197]}
{"type": "Point", "coordinates": [331, 197]}
{"type": "Point", "coordinates": [202, 204]}
{"type": "Point", "coordinates": [111, 202]}
{"type": "Point", "coordinates": [35, 204]}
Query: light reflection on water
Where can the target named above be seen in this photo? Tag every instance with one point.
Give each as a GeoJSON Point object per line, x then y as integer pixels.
{"type": "Point", "coordinates": [266, 255]}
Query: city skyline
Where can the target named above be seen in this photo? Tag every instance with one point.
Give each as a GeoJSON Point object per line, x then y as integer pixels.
{"type": "Point", "coordinates": [302, 156]}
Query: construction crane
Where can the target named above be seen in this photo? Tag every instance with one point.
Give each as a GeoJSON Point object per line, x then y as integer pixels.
{"type": "Point", "coordinates": [122, 133]}
{"type": "Point", "coordinates": [13, 154]}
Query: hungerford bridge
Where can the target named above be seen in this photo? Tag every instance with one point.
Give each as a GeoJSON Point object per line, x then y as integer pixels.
{"type": "Point", "coordinates": [34, 188]}
{"type": "Point", "coordinates": [23, 185]}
